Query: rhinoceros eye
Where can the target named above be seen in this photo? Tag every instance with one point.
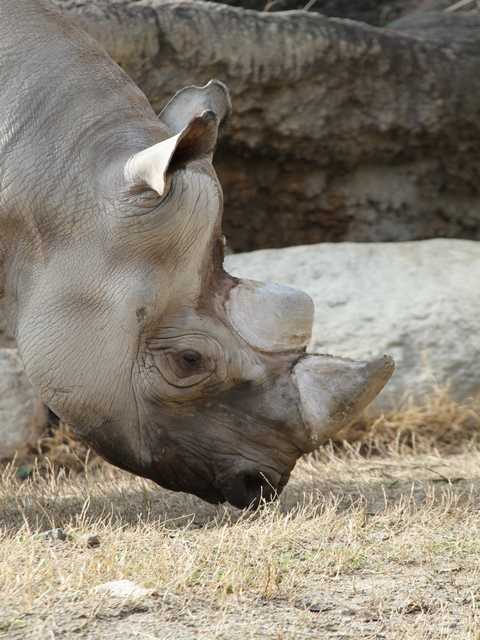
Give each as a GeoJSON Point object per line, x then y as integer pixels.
{"type": "Point", "coordinates": [190, 360]}
{"type": "Point", "coordinates": [187, 367]}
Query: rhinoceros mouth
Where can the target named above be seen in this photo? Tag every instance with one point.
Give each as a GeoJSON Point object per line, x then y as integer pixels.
{"type": "Point", "coordinates": [213, 496]}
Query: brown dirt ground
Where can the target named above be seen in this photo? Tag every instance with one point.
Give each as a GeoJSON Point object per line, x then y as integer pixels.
{"type": "Point", "coordinates": [357, 547]}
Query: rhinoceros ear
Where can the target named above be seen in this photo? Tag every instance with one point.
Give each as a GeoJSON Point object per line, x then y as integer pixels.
{"type": "Point", "coordinates": [149, 167]}
{"type": "Point", "coordinates": [190, 102]}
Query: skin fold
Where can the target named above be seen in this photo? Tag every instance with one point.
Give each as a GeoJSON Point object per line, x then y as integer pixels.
{"type": "Point", "coordinates": [111, 270]}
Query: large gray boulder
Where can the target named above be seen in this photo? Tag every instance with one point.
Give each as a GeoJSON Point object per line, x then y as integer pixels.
{"type": "Point", "coordinates": [22, 415]}
{"type": "Point", "coordinates": [417, 301]}
{"type": "Point", "coordinates": [340, 131]}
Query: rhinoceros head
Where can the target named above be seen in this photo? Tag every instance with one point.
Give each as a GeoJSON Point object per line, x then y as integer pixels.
{"type": "Point", "coordinates": [172, 368]}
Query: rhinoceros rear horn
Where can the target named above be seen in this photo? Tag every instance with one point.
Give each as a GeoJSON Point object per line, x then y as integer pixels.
{"type": "Point", "coordinates": [149, 168]}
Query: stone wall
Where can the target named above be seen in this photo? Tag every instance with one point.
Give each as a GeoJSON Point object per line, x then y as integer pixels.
{"type": "Point", "coordinates": [340, 131]}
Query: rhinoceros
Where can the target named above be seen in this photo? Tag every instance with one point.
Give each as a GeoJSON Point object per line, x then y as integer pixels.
{"type": "Point", "coordinates": [111, 256]}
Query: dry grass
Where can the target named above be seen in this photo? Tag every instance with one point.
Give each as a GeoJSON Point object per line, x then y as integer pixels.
{"type": "Point", "coordinates": [354, 549]}
{"type": "Point", "coordinates": [462, 5]}
{"type": "Point", "coordinates": [369, 540]}
{"type": "Point", "coordinates": [440, 423]}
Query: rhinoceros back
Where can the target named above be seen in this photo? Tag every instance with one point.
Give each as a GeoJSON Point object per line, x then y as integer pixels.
{"type": "Point", "coordinates": [61, 97]}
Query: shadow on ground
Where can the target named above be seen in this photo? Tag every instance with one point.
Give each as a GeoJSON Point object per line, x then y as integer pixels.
{"type": "Point", "coordinates": [125, 501]}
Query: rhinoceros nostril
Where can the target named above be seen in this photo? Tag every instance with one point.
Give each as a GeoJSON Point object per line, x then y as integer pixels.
{"type": "Point", "coordinates": [250, 488]}
{"type": "Point", "coordinates": [254, 485]}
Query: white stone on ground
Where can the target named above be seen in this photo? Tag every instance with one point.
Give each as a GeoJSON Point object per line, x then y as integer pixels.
{"type": "Point", "coordinates": [123, 589]}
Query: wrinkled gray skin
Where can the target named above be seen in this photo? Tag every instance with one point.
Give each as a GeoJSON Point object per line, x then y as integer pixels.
{"type": "Point", "coordinates": [111, 270]}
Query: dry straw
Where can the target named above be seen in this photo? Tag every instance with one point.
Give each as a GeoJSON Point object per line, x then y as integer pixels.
{"type": "Point", "coordinates": [463, 4]}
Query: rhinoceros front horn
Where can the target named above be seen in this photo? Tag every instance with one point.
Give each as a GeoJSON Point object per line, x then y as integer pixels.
{"type": "Point", "coordinates": [334, 390]}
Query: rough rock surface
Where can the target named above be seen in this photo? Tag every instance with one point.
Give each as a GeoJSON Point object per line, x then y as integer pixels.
{"type": "Point", "coordinates": [340, 131]}
{"type": "Point", "coordinates": [428, 27]}
{"type": "Point", "coordinates": [375, 12]}
{"type": "Point", "coordinates": [415, 300]}
{"type": "Point", "coordinates": [22, 416]}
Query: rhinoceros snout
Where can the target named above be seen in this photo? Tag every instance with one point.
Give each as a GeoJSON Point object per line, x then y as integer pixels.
{"type": "Point", "coordinates": [334, 390]}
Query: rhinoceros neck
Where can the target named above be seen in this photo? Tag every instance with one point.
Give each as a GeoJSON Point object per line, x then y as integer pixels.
{"type": "Point", "coordinates": [67, 114]}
